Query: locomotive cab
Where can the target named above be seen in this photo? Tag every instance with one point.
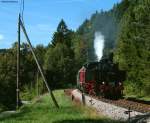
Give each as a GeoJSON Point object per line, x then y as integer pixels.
{"type": "Point", "coordinates": [81, 78]}
{"type": "Point", "coordinates": [87, 77]}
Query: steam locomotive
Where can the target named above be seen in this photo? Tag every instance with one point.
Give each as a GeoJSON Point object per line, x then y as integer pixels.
{"type": "Point", "coordinates": [101, 78]}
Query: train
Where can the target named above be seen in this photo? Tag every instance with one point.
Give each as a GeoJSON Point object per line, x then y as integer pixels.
{"type": "Point", "coordinates": [102, 78]}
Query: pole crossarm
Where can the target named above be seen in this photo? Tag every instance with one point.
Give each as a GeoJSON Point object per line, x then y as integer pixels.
{"type": "Point", "coordinates": [38, 65]}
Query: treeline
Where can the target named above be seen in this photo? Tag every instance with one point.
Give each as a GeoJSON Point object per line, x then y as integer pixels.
{"type": "Point", "coordinates": [104, 22]}
{"type": "Point", "coordinates": [64, 57]}
{"type": "Point", "coordinates": [60, 61]}
{"type": "Point", "coordinates": [133, 46]}
{"type": "Point", "coordinates": [8, 73]}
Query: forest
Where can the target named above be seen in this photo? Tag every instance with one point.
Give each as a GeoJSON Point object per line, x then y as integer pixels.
{"type": "Point", "coordinates": [126, 29]}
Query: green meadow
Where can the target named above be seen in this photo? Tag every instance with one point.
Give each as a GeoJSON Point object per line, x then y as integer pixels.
{"type": "Point", "coordinates": [42, 110]}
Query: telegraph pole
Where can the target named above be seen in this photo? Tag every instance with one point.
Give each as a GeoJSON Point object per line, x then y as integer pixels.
{"type": "Point", "coordinates": [18, 65]}
{"type": "Point", "coordinates": [38, 65]}
{"type": "Point", "coordinates": [21, 26]}
{"type": "Point", "coordinates": [37, 82]}
{"type": "Point", "coordinates": [18, 55]}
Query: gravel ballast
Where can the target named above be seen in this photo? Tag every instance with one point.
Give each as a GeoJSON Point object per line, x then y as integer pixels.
{"type": "Point", "coordinates": [109, 110]}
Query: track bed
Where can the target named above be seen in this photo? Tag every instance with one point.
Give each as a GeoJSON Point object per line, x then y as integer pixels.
{"type": "Point", "coordinates": [136, 105]}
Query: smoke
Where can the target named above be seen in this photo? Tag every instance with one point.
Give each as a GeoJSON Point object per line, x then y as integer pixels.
{"type": "Point", "coordinates": [99, 44]}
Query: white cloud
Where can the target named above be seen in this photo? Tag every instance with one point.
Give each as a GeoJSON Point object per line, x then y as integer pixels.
{"type": "Point", "coordinates": [1, 37]}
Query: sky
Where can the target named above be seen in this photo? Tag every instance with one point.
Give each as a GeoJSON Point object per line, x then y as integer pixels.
{"type": "Point", "coordinates": [41, 18]}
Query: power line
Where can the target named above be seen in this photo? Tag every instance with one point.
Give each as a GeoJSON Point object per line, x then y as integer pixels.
{"type": "Point", "coordinates": [22, 12]}
{"type": "Point", "coordinates": [8, 1]}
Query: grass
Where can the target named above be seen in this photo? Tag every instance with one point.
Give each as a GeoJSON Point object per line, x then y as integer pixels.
{"type": "Point", "coordinates": [1, 108]}
{"type": "Point", "coordinates": [42, 110]}
{"type": "Point", "coordinates": [145, 98]}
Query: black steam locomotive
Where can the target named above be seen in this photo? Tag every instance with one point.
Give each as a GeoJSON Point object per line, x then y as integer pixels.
{"type": "Point", "coordinates": [101, 78]}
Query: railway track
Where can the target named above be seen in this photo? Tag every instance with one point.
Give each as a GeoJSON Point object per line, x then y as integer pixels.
{"type": "Point", "coordinates": [136, 105]}
{"type": "Point", "coordinates": [125, 103]}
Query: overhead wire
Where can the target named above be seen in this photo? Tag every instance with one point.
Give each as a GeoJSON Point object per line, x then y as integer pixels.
{"type": "Point", "coordinates": [22, 10]}
{"type": "Point", "coordinates": [20, 5]}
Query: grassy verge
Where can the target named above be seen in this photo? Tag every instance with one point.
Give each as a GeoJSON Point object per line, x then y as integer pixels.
{"type": "Point", "coordinates": [1, 108]}
{"type": "Point", "coordinates": [42, 110]}
{"type": "Point", "coordinates": [144, 98]}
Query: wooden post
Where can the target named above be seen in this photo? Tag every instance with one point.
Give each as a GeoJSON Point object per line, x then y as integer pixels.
{"type": "Point", "coordinates": [37, 82]}
{"type": "Point", "coordinates": [83, 98]}
{"type": "Point", "coordinates": [129, 114]}
{"type": "Point", "coordinates": [39, 67]}
{"type": "Point", "coordinates": [18, 66]}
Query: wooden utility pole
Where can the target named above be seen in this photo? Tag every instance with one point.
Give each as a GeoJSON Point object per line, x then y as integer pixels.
{"type": "Point", "coordinates": [37, 82]}
{"type": "Point", "coordinates": [38, 65]}
{"type": "Point", "coordinates": [20, 25]}
{"type": "Point", "coordinates": [18, 55]}
{"type": "Point", "coordinates": [18, 65]}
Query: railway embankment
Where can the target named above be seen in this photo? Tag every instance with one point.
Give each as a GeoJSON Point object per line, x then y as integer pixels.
{"type": "Point", "coordinates": [109, 109]}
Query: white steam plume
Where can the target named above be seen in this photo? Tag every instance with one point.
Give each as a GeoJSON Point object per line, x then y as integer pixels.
{"type": "Point", "coordinates": [99, 44]}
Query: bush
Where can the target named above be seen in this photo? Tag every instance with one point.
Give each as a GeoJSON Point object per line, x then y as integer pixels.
{"type": "Point", "coordinates": [28, 93]}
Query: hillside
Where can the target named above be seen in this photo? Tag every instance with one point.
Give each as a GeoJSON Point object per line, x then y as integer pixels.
{"type": "Point", "coordinates": [106, 22]}
{"type": "Point", "coordinates": [133, 47]}
{"type": "Point", "coordinates": [126, 30]}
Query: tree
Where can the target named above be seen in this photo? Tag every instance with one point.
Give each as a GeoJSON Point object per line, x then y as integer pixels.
{"type": "Point", "coordinates": [62, 35]}
{"type": "Point", "coordinates": [80, 51]}
{"type": "Point", "coordinates": [133, 49]}
{"type": "Point", "coordinates": [59, 58]}
{"type": "Point", "coordinates": [59, 66]}
{"type": "Point", "coordinates": [28, 71]}
{"type": "Point", "coordinates": [7, 79]}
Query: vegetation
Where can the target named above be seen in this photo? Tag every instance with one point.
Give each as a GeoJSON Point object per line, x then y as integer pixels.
{"type": "Point", "coordinates": [42, 111]}
{"type": "Point", "coordinates": [133, 47]}
{"type": "Point", "coordinates": [28, 71]}
{"type": "Point", "coordinates": [59, 58]}
{"type": "Point", "coordinates": [126, 28]}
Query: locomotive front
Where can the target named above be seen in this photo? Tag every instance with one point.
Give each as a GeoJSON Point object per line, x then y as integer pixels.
{"type": "Point", "coordinates": [101, 79]}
